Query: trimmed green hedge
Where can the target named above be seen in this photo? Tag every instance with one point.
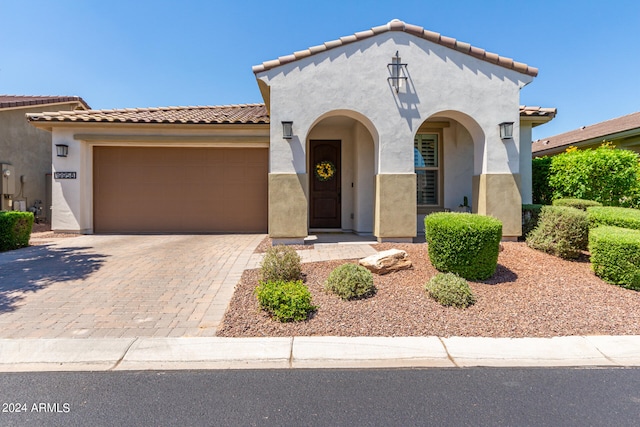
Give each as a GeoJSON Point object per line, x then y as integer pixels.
{"type": "Point", "coordinates": [614, 216]}
{"type": "Point", "coordinates": [463, 243]}
{"type": "Point", "coordinates": [581, 204]}
{"type": "Point", "coordinates": [286, 301]}
{"type": "Point", "coordinates": [530, 217]}
{"type": "Point", "coordinates": [15, 229]}
{"type": "Point", "coordinates": [561, 231]}
{"type": "Point", "coordinates": [615, 255]}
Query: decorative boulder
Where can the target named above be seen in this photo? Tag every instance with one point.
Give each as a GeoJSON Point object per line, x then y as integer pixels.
{"type": "Point", "coordinates": [386, 261]}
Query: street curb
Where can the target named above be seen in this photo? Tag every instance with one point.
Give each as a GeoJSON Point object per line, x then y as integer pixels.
{"type": "Point", "coordinates": [122, 354]}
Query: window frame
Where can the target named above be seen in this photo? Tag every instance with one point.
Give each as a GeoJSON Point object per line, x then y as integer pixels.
{"type": "Point", "coordinates": [425, 209]}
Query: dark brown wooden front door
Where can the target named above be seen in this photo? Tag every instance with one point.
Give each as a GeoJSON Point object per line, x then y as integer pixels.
{"type": "Point", "coordinates": [325, 184]}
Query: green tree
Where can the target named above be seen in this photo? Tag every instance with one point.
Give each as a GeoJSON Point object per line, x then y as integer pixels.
{"type": "Point", "coordinates": [542, 192]}
{"type": "Point", "coordinates": [604, 174]}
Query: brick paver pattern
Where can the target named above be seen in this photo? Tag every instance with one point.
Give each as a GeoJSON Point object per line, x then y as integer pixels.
{"type": "Point", "coordinates": [122, 286]}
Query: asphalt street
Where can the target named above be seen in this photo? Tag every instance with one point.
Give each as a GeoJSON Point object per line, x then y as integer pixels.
{"type": "Point", "coordinates": [336, 397]}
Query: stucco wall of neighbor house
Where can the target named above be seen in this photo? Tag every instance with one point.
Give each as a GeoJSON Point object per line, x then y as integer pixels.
{"type": "Point", "coordinates": [354, 77]}
{"type": "Point", "coordinates": [28, 149]}
{"type": "Point", "coordinates": [72, 199]}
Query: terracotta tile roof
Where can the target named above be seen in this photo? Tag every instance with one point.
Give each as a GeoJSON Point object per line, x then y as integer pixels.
{"type": "Point", "coordinates": [235, 114]}
{"type": "Point", "coordinates": [12, 101]}
{"type": "Point", "coordinates": [397, 25]}
{"type": "Point", "coordinates": [530, 111]}
{"type": "Point", "coordinates": [595, 132]}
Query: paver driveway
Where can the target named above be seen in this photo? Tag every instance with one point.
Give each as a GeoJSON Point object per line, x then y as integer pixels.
{"type": "Point", "coordinates": [122, 286]}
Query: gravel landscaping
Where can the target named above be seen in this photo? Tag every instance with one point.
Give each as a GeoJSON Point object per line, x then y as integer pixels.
{"type": "Point", "coordinates": [532, 294]}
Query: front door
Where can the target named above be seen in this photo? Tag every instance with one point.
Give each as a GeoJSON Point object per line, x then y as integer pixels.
{"type": "Point", "coordinates": [325, 184]}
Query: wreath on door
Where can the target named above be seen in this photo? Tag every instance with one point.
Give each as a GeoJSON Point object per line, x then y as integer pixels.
{"type": "Point", "coordinates": [325, 170]}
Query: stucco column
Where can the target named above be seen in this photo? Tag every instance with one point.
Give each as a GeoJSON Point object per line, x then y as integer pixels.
{"type": "Point", "coordinates": [498, 195]}
{"type": "Point", "coordinates": [288, 207]}
{"type": "Point", "coordinates": [395, 207]}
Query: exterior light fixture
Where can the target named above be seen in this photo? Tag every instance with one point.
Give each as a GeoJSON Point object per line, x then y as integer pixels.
{"type": "Point", "coordinates": [506, 130]}
{"type": "Point", "coordinates": [62, 150]}
{"type": "Point", "coordinates": [287, 130]}
{"type": "Point", "coordinates": [398, 72]}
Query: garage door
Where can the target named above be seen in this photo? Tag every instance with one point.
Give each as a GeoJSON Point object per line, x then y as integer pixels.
{"type": "Point", "coordinates": [179, 190]}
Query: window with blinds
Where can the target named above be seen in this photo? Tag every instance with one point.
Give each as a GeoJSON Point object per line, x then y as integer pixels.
{"type": "Point", "coordinates": [426, 164]}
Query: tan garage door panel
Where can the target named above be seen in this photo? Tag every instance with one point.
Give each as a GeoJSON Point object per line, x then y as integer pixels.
{"type": "Point", "coordinates": [180, 190]}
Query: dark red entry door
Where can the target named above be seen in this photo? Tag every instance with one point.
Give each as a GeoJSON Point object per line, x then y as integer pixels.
{"type": "Point", "coordinates": [325, 184]}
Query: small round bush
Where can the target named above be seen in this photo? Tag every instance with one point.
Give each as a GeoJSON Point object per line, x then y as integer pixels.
{"type": "Point", "coordinates": [615, 255]}
{"type": "Point", "coordinates": [561, 231]}
{"type": "Point", "coordinates": [280, 263]}
{"type": "Point", "coordinates": [530, 217]}
{"type": "Point", "coordinates": [462, 243]}
{"type": "Point", "coordinates": [351, 281]}
{"type": "Point", "coordinates": [614, 216]}
{"type": "Point", "coordinates": [576, 203]}
{"type": "Point", "coordinates": [286, 301]}
{"type": "Point", "coordinates": [449, 289]}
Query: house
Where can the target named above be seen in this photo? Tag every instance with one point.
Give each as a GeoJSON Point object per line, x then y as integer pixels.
{"type": "Point", "coordinates": [25, 152]}
{"type": "Point", "coordinates": [623, 132]}
{"type": "Point", "coordinates": [365, 134]}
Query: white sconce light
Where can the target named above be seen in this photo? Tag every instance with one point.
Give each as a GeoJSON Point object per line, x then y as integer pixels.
{"type": "Point", "coordinates": [506, 130]}
{"type": "Point", "coordinates": [287, 130]}
{"type": "Point", "coordinates": [398, 72]}
{"type": "Point", "coordinates": [62, 150]}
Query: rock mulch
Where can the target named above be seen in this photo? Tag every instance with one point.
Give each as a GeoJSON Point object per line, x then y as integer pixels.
{"type": "Point", "coordinates": [532, 294]}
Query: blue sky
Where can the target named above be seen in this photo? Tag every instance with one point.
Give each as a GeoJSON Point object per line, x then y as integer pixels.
{"type": "Point", "coordinates": [141, 53]}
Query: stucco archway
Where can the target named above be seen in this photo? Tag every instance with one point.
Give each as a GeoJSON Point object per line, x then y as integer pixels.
{"type": "Point", "coordinates": [357, 140]}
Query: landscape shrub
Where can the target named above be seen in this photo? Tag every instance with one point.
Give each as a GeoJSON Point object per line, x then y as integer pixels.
{"type": "Point", "coordinates": [449, 289]}
{"type": "Point", "coordinates": [15, 229]}
{"type": "Point", "coordinates": [351, 281]}
{"type": "Point", "coordinates": [463, 243]}
{"type": "Point", "coordinates": [562, 231]}
{"type": "Point", "coordinates": [604, 174]}
{"type": "Point", "coordinates": [280, 263]}
{"type": "Point", "coordinates": [615, 255]}
{"type": "Point", "coordinates": [614, 216]}
{"type": "Point", "coordinates": [540, 172]}
{"type": "Point", "coordinates": [285, 300]}
{"type": "Point", "coordinates": [530, 217]}
{"type": "Point", "coordinates": [576, 203]}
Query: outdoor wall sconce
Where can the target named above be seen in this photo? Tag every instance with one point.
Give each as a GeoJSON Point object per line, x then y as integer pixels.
{"type": "Point", "coordinates": [398, 72]}
{"type": "Point", "coordinates": [287, 130]}
{"type": "Point", "coordinates": [62, 150]}
{"type": "Point", "coordinates": [506, 130]}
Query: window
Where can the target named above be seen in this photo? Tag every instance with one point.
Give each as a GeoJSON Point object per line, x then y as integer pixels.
{"type": "Point", "coordinates": [427, 166]}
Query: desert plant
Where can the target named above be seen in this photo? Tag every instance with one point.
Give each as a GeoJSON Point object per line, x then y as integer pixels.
{"type": "Point", "coordinates": [614, 216]}
{"type": "Point", "coordinates": [576, 203]}
{"type": "Point", "coordinates": [280, 263]}
{"type": "Point", "coordinates": [462, 243]}
{"type": "Point", "coordinates": [561, 231]}
{"type": "Point", "coordinates": [606, 175]}
{"type": "Point", "coordinates": [615, 255]}
{"type": "Point", "coordinates": [351, 281]}
{"type": "Point", "coordinates": [285, 300]}
{"type": "Point", "coordinates": [15, 229]}
{"type": "Point", "coordinates": [449, 289]}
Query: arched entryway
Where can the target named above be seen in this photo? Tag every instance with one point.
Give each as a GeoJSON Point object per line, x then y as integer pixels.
{"type": "Point", "coordinates": [341, 165]}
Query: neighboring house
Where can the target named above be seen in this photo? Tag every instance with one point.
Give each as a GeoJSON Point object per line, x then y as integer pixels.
{"type": "Point", "coordinates": [332, 149]}
{"type": "Point", "coordinates": [623, 131]}
{"type": "Point", "coordinates": [25, 152]}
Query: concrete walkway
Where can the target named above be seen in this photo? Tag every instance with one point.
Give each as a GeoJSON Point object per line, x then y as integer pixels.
{"type": "Point", "coordinates": [155, 302]}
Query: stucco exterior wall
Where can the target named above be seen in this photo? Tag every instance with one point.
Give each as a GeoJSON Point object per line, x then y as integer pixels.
{"type": "Point", "coordinates": [72, 199]}
{"type": "Point", "coordinates": [28, 149]}
{"type": "Point", "coordinates": [441, 81]}
{"type": "Point", "coordinates": [526, 178]}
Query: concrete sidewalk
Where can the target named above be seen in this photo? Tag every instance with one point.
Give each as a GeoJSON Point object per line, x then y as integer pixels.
{"type": "Point", "coordinates": [115, 354]}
